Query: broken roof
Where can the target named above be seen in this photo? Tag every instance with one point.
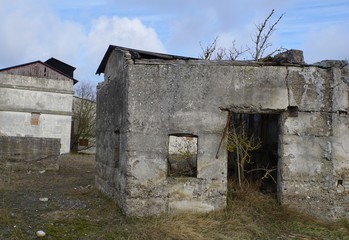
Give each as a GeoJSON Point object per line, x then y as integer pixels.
{"type": "Point", "coordinates": [137, 54]}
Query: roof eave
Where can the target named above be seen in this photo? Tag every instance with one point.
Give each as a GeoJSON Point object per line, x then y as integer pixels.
{"type": "Point", "coordinates": [138, 54]}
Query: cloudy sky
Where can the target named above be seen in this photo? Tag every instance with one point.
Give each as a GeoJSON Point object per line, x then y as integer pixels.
{"type": "Point", "coordinates": [79, 32]}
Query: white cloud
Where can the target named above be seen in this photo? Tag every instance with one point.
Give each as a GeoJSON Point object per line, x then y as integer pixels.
{"type": "Point", "coordinates": [33, 32]}
{"type": "Point", "coordinates": [124, 32]}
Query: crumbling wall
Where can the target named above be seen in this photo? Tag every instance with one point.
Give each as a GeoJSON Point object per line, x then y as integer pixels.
{"type": "Point", "coordinates": [186, 98]}
{"type": "Point", "coordinates": [340, 139]}
{"type": "Point", "coordinates": [314, 162]}
{"type": "Point", "coordinates": [29, 153]}
{"type": "Point", "coordinates": [147, 101]}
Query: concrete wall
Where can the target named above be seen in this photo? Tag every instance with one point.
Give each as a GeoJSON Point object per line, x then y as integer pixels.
{"type": "Point", "coordinates": [149, 100]}
{"type": "Point", "coordinates": [111, 130]}
{"type": "Point", "coordinates": [313, 159]}
{"type": "Point", "coordinates": [29, 153]}
{"type": "Point", "coordinates": [51, 98]}
{"type": "Point", "coordinates": [185, 97]}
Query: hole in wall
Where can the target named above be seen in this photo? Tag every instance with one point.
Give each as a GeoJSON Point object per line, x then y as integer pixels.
{"type": "Point", "coordinates": [253, 141]}
{"type": "Point", "coordinates": [292, 111]}
{"type": "Point", "coordinates": [182, 155]}
{"type": "Point", "coordinates": [340, 186]}
{"type": "Point", "coordinates": [342, 112]}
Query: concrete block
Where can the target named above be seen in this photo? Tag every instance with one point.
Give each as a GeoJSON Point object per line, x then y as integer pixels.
{"type": "Point", "coordinates": [310, 89]}
{"type": "Point", "coordinates": [309, 124]}
{"type": "Point", "coordinates": [306, 157]}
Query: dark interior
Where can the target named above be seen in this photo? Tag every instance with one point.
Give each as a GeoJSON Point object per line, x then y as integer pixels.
{"type": "Point", "coordinates": [262, 167]}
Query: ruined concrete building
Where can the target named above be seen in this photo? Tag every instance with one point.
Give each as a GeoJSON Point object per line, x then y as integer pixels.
{"type": "Point", "coordinates": [35, 105]}
{"type": "Point", "coordinates": [151, 106]}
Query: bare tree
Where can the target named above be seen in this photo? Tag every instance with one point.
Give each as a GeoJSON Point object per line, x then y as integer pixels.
{"type": "Point", "coordinates": [261, 42]}
{"type": "Point", "coordinates": [221, 54]}
{"type": "Point", "coordinates": [84, 116]}
{"type": "Point", "coordinates": [261, 39]}
{"type": "Point", "coordinates": [235, 53]}
{"type": "Point", "coordinates": [208, 51]}
{"type": "Point", "coordinates": [242, 145]}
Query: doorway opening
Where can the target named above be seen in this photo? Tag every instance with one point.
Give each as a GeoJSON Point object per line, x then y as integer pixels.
{"type": "Point", "coordinates": [253, 141]}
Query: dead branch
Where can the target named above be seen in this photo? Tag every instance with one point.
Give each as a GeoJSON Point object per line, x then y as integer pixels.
{"type": "Point", "coordinates": [208, 51]}
{"type": "Point", "coordinates": [261, 41]}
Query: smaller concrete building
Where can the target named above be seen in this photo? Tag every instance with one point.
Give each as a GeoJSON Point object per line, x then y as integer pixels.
{"type": "Point", "coordinates": [36, 101]}
{"type": "Point", "coordinates": [152, 108]}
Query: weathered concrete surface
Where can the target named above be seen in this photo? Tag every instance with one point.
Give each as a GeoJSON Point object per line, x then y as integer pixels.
{"type": "Point", "coordinates": [144, 101]}
{"type": "Point", "coordinates": [29, 153]}
{"type": "Point", "coordinates": [313, 159]}
{"type": "Point", "coordinates": [111, 131]}
{"type": "Point", "coordinates": [310, 89]}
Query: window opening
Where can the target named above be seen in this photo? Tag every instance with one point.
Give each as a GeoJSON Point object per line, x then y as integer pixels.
{"type": "Point", "coordinates": [35, 118]}
{"type": "Point", "coordinates": [253, 150]}
{"type": "Point", "coordinates": [182, 155]}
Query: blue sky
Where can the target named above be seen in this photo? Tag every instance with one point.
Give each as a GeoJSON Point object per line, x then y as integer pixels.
{"type": "Point", "coordinates": [78, 32]}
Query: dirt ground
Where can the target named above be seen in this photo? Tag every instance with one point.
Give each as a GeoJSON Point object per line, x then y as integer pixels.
{"type": "Point", "coordinates": [66, 206]}
{"type": "Point", "coordinates": [37, 200]}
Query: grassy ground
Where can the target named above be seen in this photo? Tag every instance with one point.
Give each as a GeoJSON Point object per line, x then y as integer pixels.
{"type": "Point", "coordinates": [75, 210]}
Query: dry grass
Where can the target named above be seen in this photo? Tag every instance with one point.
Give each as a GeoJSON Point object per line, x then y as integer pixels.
{"type": "Point", "coordinates": [76, 211]}
{"type": "Point", "coordinates": [248, 216]}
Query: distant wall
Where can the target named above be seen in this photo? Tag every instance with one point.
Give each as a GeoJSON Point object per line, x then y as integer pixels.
{"type": "Point", "coordinates": [29, 153]}
{"type": "Point", "coordinates": [36, 107]}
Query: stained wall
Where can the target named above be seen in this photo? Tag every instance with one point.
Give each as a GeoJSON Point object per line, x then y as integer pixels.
{"type": "Point", "coordinates": [145, 101]}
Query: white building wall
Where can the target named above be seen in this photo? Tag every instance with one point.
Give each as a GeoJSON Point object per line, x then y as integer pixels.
{"type": "Point", "coordinates": [20, 99]}
{"type": "Point", "coordinates": [50, 126]}
{"type": "Point", "coordinates": [20, 96]}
